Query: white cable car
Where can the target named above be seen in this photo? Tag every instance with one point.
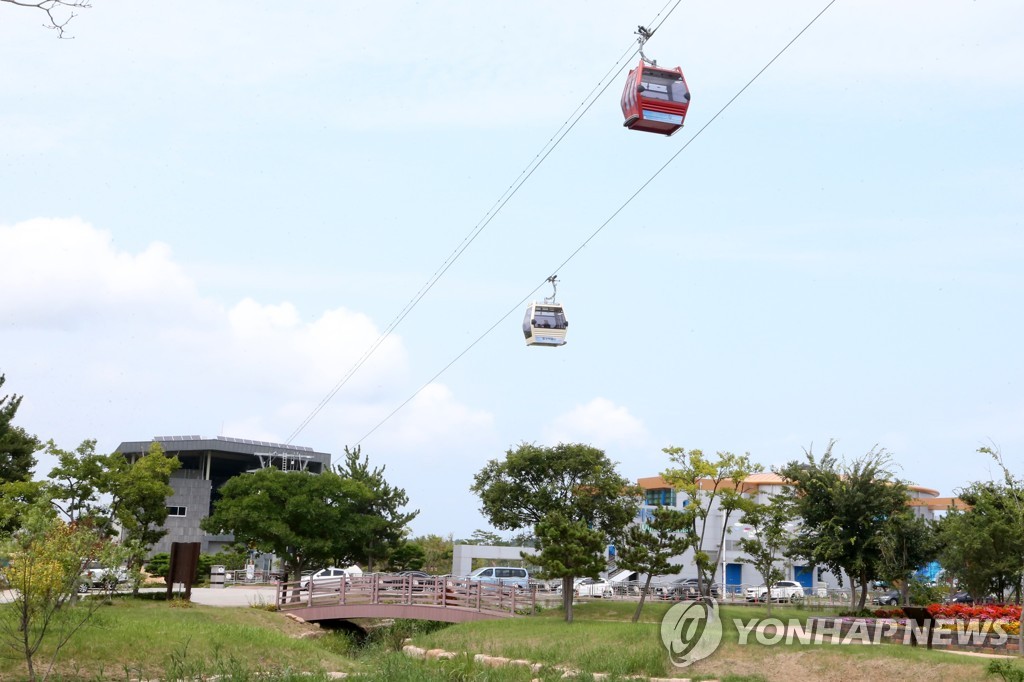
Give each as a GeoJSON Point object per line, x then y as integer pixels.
{"type": "Point", "coordinates": [545, 323]}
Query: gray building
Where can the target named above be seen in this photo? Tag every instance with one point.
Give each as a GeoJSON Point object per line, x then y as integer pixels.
{"type": "Point", "coordinates": [206, 465]}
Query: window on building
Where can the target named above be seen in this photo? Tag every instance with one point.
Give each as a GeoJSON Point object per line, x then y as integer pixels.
{"type": "Point", "coordinates": [661, 497]}
{"type": "Point", "coordinates": [176, 511]}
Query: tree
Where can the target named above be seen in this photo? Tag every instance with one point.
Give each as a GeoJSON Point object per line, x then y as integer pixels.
{"type": "Point", "coordinates": [649, 548]}
{"type": "Point", "coordinates": [705, 481]}
{"type": "Point", "coordinates": [1015, 490]}
{"type": "Point", "coordinates": [77, 481]}
{"type": "Point", "coordinates": [112, 492]}
{"type": "Point", "coordinates": [982, 546]}
{"type": "Point", "coordinates": [17, 448]}
{"type": "Point", "coordinates": [908, 543]}
{"type": "Point", "coordinates": [408, 556]}
{"type": "Point", "coordinates": [15, 498]}
{"type": "Point", "coordinates": [570, 494]}
{"type": "Point", "coordinates": [569, 548]}
{"type": "Point", "coordinates": [486, 538]}
{"type": "Point", "coordinates": [437, 553]}
{"type": "Point", "coordinates": [845, 509]}
{"type": "Point", "coordinates": [46, 558]}
{"type": "Point", "coordinates": [770, 525]}
{"type": "Point", "coordinates": [305, 519]}
{"type": "Point", "coordinates": [382, 524]}
{"type": "Point", "coordinates": [58, 12]}
{"type": "Point", "coordinates": [139, 492]}
{"type": "Point", "coordinates": [232, 557]}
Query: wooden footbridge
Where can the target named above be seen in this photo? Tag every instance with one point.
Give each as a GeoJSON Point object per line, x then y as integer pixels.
{"type": "Point", "coordinates": [382, 595]}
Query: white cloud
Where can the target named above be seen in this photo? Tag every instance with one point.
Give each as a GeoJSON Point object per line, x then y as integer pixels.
{"type": "Point", "coordinates": [67, 273]}
{"type": "Point", "coordinates": [435, 421]}
{"type": "Point", "coordinates": [128, 335]}
{"type": "Point", "coordinates": [599, 422]}
{"type": "Point", "coordinates": [272, 344]}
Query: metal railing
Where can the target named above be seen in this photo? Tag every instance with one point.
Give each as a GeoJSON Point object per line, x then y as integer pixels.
{"type": "Point", "coordinates": [241, 577]}
{"type": "Point", "coordinates": [384, 588]}
{"type": "Point", "coordinates": [730, 593]}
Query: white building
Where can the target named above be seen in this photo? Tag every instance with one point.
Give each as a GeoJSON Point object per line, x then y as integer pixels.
{"type": "Point", "coordinates": [735, 574]}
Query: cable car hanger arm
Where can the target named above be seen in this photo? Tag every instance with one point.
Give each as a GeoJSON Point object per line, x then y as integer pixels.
{"type": "Point", "coordinates": [554, 294]}
{"type": "Point", "coordinates": [645, 35]}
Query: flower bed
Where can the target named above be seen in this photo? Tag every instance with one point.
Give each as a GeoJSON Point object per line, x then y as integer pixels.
{"type": "Point", "coordinates": [985, 628]}
{"type": "Point", "coordinates": [1005, 612]}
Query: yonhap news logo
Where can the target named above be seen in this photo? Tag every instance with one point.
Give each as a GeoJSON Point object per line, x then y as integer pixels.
{"type": "Point", "coordinates": [691, 631]}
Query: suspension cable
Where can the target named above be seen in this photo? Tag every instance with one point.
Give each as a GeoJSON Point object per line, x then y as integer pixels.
{"type": "Point", "coordinates": [615, 213]}
{"type": "Point", "coordinates": [582, 108]}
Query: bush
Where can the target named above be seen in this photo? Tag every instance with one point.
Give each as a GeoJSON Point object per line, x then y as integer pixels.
{"type": "Point", "coordinates": [862, 613]}
{"type": "Point", "coordinates": [922, 593]}
{"type": "Point", "coordinates": [160, 565]}
{"type": "Point", "coordinates": [888, 613]}
{"type": "Point", "coordinates": [1006, 670]}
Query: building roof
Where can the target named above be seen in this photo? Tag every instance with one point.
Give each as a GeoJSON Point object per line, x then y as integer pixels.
{"type": "Point", "coordinates": [939, 503]}
{"type": "Point", "coordinates": [224, 444]}
{"type": "Point", "coordinates": [750, 482]}
{"type": "Point", "coordinates": [754, 481]}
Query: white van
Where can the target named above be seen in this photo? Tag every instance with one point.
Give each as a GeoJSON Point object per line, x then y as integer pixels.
{"type": "Point", "coordinates": [504, 575]}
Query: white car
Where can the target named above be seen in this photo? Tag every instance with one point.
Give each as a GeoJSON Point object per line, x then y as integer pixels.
{"type": "Point", "coordinates": [588, 587]}
{"type": "Point", "coordinates": [784, 590]}
{"type": "Point", "coordinates": [97, 575]}
{"type": "Point", "coordinates": [325, 580]}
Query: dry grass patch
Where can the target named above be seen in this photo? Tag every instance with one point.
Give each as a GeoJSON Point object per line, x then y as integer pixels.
{"type": "Point", "coordinates": [826, 662]}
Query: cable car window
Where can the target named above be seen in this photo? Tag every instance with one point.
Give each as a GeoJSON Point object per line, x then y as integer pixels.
{"type": "Point", "coordinates": [549, 319]}
{"type": "Point", "coordinates": [664, 85]}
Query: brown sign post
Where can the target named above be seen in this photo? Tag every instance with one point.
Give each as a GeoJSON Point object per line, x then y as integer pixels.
{"type": "Point", "coordinates": [923, 618]}
{"type": "Point", "coordinates": [184, 563]}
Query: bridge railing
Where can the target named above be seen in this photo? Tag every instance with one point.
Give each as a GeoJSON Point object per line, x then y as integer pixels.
{"type": "Point", "coordinates": [383, 588]}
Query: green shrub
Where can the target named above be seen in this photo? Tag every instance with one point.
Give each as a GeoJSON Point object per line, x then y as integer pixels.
{"type": "Point", "coordinates": [1006, 670]}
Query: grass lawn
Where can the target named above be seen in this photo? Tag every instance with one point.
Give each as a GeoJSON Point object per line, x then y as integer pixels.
{"type": "Point", "coordinates": [603, 640]}
{"type": "Point", "coordinates": [152, 639]}
{"type": "Point", "coordinates": [133, 639]}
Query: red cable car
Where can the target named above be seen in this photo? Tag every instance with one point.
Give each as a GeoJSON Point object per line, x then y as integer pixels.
{"type": "Point", "coordinates": [655, 99]}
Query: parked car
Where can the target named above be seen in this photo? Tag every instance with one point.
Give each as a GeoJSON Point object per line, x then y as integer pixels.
{"type": "Point", "coordinates": [557, 585]}
{"type": "Point", "coordinates": [589, 587]}
{"type": "Point", "coordinates": [99, 576]}
{"type": "Point", "coordinates": [890, 598]}
{"type": "Point", "coordinates": [959, 598]}
{"type": "Point", "coordinates": [663, 590]}
{"type": "Point", "coordinates": [630, 588]}
{"type": "Point", "coordinates": [684, 588]}
{"type": "Point", "coordinates": [421, 580]}
{"type": "Point", "coordinates": [503, 575]}
{"type": "Point", "coordinates": [784, 590]}
{"type": "Point", "coordinates": [325, 580]}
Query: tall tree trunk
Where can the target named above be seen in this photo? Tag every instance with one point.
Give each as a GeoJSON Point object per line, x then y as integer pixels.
{"type": "Point", "coordinates": [27, 647]}
{"type": "Point", "coordinates": [643, 596]}
{"type": "Point", "coordinates": [567, 596]}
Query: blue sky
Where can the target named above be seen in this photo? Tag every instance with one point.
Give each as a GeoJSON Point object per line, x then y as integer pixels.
{"type": "Point", "coordinates": [209, 211]}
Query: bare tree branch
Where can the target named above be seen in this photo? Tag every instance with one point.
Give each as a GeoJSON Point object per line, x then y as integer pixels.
{"type": "Point", "coordinates": [55, 11]}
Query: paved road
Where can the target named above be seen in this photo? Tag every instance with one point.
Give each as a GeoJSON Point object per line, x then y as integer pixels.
{"type": "Point", "coordinates": [233, 596]}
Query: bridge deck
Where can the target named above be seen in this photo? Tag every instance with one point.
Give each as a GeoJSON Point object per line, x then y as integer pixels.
{"type": "Point", "coordinates": [399, 596]}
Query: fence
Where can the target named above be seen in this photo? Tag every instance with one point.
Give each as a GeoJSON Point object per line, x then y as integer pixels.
{"type": "Point", "coordinates": [384, 588]}
{"type": "Point", "coordinates": [733, 593]}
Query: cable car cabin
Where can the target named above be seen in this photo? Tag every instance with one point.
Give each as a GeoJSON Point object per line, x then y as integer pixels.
{"type": "Point", "coordinates": [655, 100]}
{"type": "Point", "coordinates": [545, 324]}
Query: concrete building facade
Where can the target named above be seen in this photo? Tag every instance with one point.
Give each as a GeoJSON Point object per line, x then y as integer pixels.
{"type": "Point", "coordinates": [206, 465]}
